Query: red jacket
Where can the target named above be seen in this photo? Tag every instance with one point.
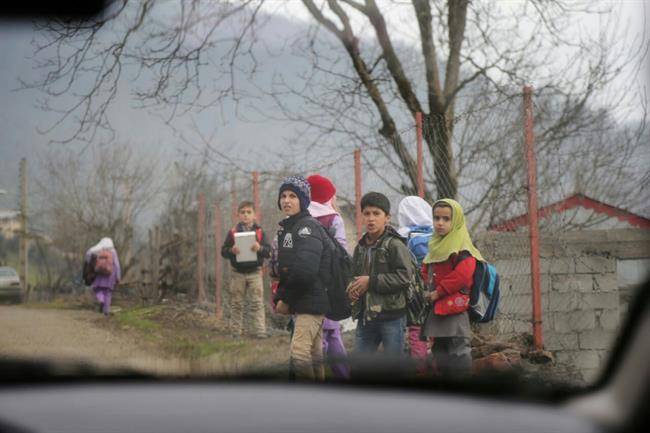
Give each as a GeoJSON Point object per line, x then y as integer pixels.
{"type": "Point", "coordinates": [450, 277]}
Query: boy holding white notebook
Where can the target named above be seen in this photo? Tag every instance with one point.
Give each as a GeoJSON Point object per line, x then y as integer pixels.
{"type": "Point", "coordinates": [246, 248]}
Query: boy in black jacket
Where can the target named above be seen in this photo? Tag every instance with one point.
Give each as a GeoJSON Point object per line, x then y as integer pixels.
{"type": "Point", "coordinates": [302, 262]}
{"type": "Point", "coordinates": [246, 283]}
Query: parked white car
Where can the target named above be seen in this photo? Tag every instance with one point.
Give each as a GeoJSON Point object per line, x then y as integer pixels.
{"type": "Point", "coordinates": [10, 284]}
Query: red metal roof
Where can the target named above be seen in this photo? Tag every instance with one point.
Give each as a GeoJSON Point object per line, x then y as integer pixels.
{"type": "Point", "coordinates": [574, 201]}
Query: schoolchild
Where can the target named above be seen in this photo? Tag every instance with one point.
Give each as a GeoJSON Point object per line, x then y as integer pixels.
{"type": "Point", "coordinates": [107, 272]}
{"type": "Point", "coordinates": [382, 268]}
{"type": "Point", "coordinates": [302, 264]}
{"type": "Point", "coordinates": [416, 225]}
{"type": "Point", "coordinates": [323, 208]}
{"type": "Point", "coordinates": [448, 268]}
{"type": "Point", "coordinates": [246, 284]}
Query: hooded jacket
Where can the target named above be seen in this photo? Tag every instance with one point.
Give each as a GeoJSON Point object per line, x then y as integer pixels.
{"type": "Point", "coordinates": [302, 262]}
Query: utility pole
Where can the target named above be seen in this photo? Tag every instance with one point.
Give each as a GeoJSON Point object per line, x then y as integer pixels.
{"type": "Point", "coordinates": [24, 240]}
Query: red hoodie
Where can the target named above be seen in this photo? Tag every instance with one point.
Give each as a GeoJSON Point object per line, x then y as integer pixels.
{"type": "Point", "coordinates": [450, 277]}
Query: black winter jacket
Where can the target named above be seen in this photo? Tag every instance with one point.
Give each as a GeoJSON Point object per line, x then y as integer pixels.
{"type": "Point", "coordinates": [245, 267]}
{"type": "Point", "coordinates": [302, 263]}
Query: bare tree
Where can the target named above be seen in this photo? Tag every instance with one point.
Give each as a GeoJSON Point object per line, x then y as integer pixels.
{"type": "Point", "coordinates": [370, 91]}
{"type": "Point", "coordinates": [98, 194]}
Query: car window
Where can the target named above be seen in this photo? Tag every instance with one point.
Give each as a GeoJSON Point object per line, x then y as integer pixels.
{"type": "Point", "coordinates": [213, 188]}
{"type": "Point", "coordinates": [8, 273]}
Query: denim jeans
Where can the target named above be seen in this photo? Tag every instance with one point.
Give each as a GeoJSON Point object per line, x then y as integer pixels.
{"type": "Point", "coordinates": [388, 332]}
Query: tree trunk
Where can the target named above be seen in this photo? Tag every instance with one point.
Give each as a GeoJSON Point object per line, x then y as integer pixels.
{"type": "Point", "coordinates": [437, 134]}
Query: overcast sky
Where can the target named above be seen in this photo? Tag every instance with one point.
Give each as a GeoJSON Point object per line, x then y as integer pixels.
{"type": "Point", "coordinates": [20, 120]}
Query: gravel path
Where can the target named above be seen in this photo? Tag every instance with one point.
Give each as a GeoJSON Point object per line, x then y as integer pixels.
{"type": "Point", "coordinates": [73, 335]}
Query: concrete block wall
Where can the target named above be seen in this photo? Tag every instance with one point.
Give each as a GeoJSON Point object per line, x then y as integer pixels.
{"type": "Point", "coordinates": [581, 305]}
{"type": "Point", "coordinates": [582, 293]}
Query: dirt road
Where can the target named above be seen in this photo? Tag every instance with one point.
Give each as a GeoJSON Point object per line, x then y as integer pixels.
{"type": "Point", "coordinates": [74, 335]}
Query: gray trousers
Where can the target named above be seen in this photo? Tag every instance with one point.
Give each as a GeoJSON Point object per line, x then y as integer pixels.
{"type": "Point", "coordinates": [452, 356]}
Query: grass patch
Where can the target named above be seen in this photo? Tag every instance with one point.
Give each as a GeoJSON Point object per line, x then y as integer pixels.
{"type": "Point", "coordinates": [184, 332]}
{"type": "Point", "coordinates": [140, 319]}
{"type": "Point", "coordinates": [200, 349]}
{"type": "Point", "coordinates": [59, 304]}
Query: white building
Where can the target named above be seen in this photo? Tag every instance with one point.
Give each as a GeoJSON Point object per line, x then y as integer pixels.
{"type": "Point", "coordinates": [9, 223]}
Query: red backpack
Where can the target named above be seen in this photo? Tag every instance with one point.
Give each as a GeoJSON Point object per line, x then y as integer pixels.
{"type": "Point", "coordinates": [104, 263]}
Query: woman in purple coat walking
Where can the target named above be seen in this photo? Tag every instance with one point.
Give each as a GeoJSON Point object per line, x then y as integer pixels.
{"type": "Point", "coordinates": [107, 272]}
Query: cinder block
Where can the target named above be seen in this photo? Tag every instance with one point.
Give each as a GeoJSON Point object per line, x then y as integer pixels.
{"type": "Point", "coordinates": [587, 359]}
{"type": "Point", "coordinates": [521, 284]}
{"type": "Point", "coordinates": [516, 304]}
{"type": "Point", "coordinates": [599, 300]}
{"type": "Point", "coordinates": [579, 359]}
{"type": "Point", "coordinates": [594, 264]}
{"type": "Point", "coordinates": [521, 326]}
{"type": "Point", "coordinates": [509, 267]}
{"type": "Point", "coordinates": [609, 320]}
{"type": "Point", "coordinates": [557, 341]}
{"type": "Point", "coordinates": [557, 265]}
{"type": "Point", "coordinates": [565, 357]}
{"type": "Point", "coordinates": [574, 321]}
{"type": "Point", "coordinates": [596, 339]}
{"type": "Point", "coordinates": [563, 301]}
{"type": "Point", "coordinates": [590, 375]}
{"type": "Point", "coordinates": [572, 283]}
{"type": "Point", "coordinates": [605, 282]}
{"type": "Point", "coordinates": [514, 284]}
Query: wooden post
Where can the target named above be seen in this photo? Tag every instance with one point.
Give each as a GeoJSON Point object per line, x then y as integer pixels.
{"type": "Point", "coordinates": [357, 191]}
{"type": "Point", "coordinates": [217, 261]}
{"type": "Point", "coordinates": [155, 270]}
{"type": "Point", "coordinates": [148, 290]}
{"type": "Point", "coordinates": [533, 218]}
{"type": "Point", "coordinates": [200, 252]}
{"type": "Point", "coordinates": [23, 246]}
{"type": "Point", "coordinates": [418, 129]}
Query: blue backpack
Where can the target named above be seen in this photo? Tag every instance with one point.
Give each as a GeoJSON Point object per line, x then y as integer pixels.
{"type": "Point", "coordinates": [484, 297]}
{"type": "Point", "coordinates": [418, 241]}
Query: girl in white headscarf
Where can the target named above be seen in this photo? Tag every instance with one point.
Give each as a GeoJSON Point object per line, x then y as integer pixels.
{"type": "Point", "coordinates": [416, 225]}
{"type": "Point", "coordinates": [108, 272]}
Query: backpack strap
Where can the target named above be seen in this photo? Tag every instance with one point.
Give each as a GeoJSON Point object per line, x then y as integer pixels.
{"type": "Point", "coordinates": [430, 276]}
{"type": "Point", "coordinates": [258, 234]}
{"type": "Point", "coordinates": [462, 255]}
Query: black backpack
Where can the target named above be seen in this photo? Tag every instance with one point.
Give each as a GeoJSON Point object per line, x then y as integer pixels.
{"type": "Point", "coordinates": [88, 273]}
{"type": "Point", "coordinates": [337, 277]}
{"type": "Point", "coordinates": [417, 306]}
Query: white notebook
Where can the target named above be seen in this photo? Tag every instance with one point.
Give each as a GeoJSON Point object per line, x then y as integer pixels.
{"type": "Point", "coordinates": [244, 241]}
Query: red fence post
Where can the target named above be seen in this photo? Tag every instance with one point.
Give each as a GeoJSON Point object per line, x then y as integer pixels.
{"type": "Point", "coordinates": [357, 191]}
{"type": "Point", "coordinates": [418, 130]}
{"type": "Point", "coordinates": [217, 260]}
{"type": "Point", "coordinates": [233, 198]}
{"type": "Point", "coordinates": [533, 218]}
{"type": "Point", "coordinates": [200, 253]}
{"type": "Point", "coordinates": [256, 196]}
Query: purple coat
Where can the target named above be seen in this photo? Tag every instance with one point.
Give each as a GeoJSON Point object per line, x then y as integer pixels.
{"type": "Point", "coordinates": [108, 281]}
